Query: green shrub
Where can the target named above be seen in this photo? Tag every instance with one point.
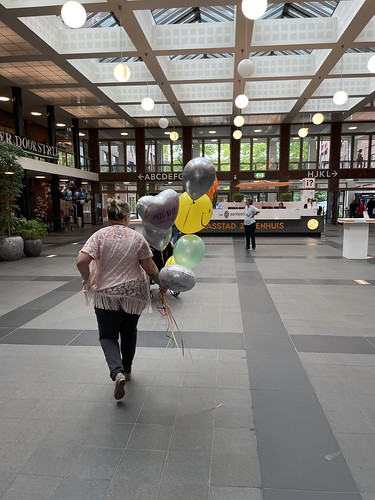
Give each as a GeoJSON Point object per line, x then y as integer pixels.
{"type": "Point", "coordinates": [33, 229]}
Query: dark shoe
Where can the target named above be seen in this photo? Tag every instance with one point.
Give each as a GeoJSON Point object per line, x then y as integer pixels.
{"type": "Point", "coordinates": [119, 391]}
{"type": "Point", "coordinates": [128, 377]}
{"type": "Point", "coordinates": [247, 248]}
{"type": "Point", "coordinates": [253, 249]}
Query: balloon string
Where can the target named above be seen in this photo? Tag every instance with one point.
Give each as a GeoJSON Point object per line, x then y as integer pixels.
{"type": "Point", "coordinates": [165, 311]}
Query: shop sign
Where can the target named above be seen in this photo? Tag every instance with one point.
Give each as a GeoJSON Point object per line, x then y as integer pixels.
{"type": "Point", "coordinates": [29, 145]}
{"type": "Point", "coordinates": [321, 174]}
{"type": "Point", "coordinates": [161, 176]}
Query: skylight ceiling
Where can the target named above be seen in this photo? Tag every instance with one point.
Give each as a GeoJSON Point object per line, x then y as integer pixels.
{"type": "Point", "coordinates": [186, 58]}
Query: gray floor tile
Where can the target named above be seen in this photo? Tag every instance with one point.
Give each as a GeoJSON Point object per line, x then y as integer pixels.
{"type": "Point", "coordinates": [233, 493]}
{"type": "Point", "coordinates": [288, 424]}
{"type": "Point", "coordinates": [308, 495]}
{"type": "Point", "coordinates": [150, 437]}
{"type": "Point", "coordinates": [95, 463]}
{"type": "Point", "coordinates": [27, 487]}
{"type": "Point", "coordinates": [332, 343]}
{"type": "Point", "coordinates": [130, 490]}
{"type": "Point", "coordinates": [143, 466]}
{"type": "Point", "coordinates": [188, 438]}
{"type": "Point", "coordinates": [51, 460]}
{"type": "Point", "coordinates": [74, 488]}
{"type": "Point", "coordinates": [187, 468]}
{"type": "Point", "coordinates": [183, 492]}
{"type": "Point", "coordinates": [39, 337]}
{"type": "Point", "coordinates": [16, 319]}
{"type": "Point", "coordinates": [6, 479]}
{"type": "Point", "coordinates": [235, 469]}
{"type": "Point", "coordinates": [14, 456]}
{"type": "Point", "coordinates": [277, 371]}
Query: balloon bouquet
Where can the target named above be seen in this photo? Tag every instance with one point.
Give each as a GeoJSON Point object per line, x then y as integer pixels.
{"type": "Point", "coordinates": [190, 212]}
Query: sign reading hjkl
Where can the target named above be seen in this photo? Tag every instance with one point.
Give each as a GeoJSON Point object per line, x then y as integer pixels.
{"type": "Point", "coordinates": [321, 174]}
{"type": "Point", "coordinates": [37, 148]}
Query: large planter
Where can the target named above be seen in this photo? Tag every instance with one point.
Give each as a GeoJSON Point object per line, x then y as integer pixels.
{"type": "Point", "coordinates": [11, 248]}
{"type": "Point", "coordinates": [32, 248]}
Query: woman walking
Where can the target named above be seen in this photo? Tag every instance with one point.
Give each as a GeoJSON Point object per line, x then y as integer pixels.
{"type": "Point", "coordinates": [113, 264]}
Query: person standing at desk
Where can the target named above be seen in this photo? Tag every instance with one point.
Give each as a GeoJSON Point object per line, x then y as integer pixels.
{"type": "Point", "coordinates": [250, 224]}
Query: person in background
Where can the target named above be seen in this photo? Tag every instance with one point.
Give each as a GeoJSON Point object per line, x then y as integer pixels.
{"type": "Point", "coordinates": [370, 207]}
{"type": "Point", "coordinates": [360, 209]}
{"type": "Point", "coordinates": [359, 158]}
{"type": "Point", "coordinates": [114, 263]}
{"type": "Point", "coordinates": [353, 209]}
{"type": "Point", "coordinates": [281, 205]}
{"type": "Point", "coordinates": [250, 224]}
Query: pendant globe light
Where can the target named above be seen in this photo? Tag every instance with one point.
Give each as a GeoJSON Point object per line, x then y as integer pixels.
{"type": "Point", "coordinates": [303, 131]}
{"type": "Point", "coordinates": [174, 136]}
{"type": "Point", "coordinates": [239, 121]}
{"type": "Point", "coordinates": [147, 103]}
{"type": "Point", "coordinates": [121, 72]}
{"type": "Point", "coordinates": [245, 67]}
{"type": "Point", "coordinates": [237, 134]}
{"type": "Point", "coordinates": [318, 118]}
{"type": "Point", "coordinates": [340, 97]}
{"type": "Point", "coordinates": [163, 122]}
{"type": "Point", "coordinates": [241, 101]}
{"type": "Point", "coordinates": [254, 9]}
{"type": "Point", "coordinates": [73, 14]}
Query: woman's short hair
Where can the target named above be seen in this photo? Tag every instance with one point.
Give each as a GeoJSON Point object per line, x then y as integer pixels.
{"type": "Point", "coordinates": [117, 209]}
{"type": "Point", "coordinates": [250, 200]}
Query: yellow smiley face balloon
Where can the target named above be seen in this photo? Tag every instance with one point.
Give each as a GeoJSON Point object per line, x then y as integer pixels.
{"type": "Point", "coordinates": [193, 216]}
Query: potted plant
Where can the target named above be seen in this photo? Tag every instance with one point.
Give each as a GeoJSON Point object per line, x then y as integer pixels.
{"type": "Point", "coordinates": [31, 231]}
{"type": "Point", "coordinates": [11, 175]}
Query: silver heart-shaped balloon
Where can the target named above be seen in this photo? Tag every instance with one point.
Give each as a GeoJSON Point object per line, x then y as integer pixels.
{"type": "Point", "coordinates": [156, 237]}
{"type": "Point", "coordinates": [160, 210]}
{"type": "Point", "coordinates": [198, 177]}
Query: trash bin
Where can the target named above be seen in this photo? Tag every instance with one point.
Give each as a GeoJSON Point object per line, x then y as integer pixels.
{"type": "Point", "coordinates": [79, 221]}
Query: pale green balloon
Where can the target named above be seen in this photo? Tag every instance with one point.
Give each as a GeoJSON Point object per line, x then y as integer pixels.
{"type": "Point", "coordinates": [189, 250]}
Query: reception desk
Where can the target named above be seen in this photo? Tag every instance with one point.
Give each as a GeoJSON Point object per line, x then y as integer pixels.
{"type": "Point", "coordinates": [355, 239]}
{"type": "Point", "coordinates": [293, 219]}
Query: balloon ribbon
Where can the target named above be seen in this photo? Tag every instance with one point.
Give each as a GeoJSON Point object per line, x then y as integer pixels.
{"type": "Point", "coordinates": [165, 311]}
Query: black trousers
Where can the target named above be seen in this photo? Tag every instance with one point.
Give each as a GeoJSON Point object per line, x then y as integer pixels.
{"type": "Point", "coordinates": [250, 235]}
{"type": "Point", "coordinates": [112, 325]}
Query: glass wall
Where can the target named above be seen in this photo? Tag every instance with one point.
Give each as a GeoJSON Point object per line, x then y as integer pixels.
{"type": "Point", "coordinates": [125, 191]}
{"type": "Point", "coordinates": [308, 153]}
{"type": "Point", "coordinates": [260, 149]}
{"type": "Point", "coordinates": [117, 156]}
{"type": "Point", "coordinates": [214, 144]}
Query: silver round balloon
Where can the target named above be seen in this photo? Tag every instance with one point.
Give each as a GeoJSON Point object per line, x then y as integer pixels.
{"type": "Point", "coordinates": [198, 177]}
{"type": "Point", "coordinates": [177, 278]}
{"type": "Point", "coordinates": [156, 237]}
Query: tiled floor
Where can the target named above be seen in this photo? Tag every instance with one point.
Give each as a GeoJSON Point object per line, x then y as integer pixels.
{"type": "Point", "coordinates": [271, 397]}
